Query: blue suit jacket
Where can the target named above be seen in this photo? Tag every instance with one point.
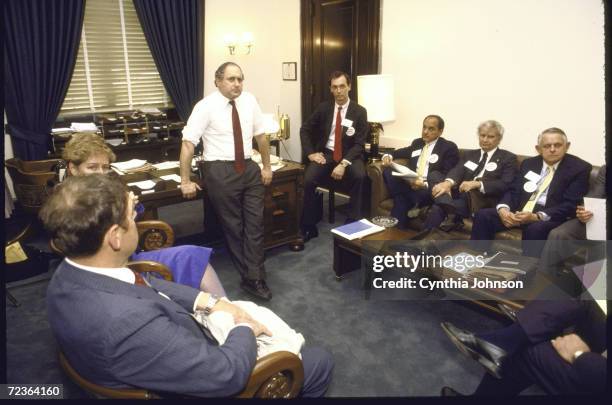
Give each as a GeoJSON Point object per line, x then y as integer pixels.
{"type": "Point", "coordinates": [566, 190]}
{"type": "Point", "coordinates": [119, 335]}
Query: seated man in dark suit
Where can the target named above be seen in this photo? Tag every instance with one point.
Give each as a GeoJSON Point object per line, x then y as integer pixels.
{"type": "Point", "coordinates": [431, 157]}
{"type": "Point", "coordinates": [488, 171]}
{"type": "Point", "coordinates": [559, 246]}
{"type": "Point", "coordinates": [333, 140]}
{"type": "Point", "coordinates": [543, 196]}
{"type": "Point", "coordinates": [120, 331]}
{"type": "Point", "coordinates": [523, 353]}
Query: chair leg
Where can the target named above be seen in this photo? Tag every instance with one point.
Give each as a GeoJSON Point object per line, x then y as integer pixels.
{"type": "Point", "coordinates": [12, 299]}
{"type": "Point", "coordinates": [331, 208]}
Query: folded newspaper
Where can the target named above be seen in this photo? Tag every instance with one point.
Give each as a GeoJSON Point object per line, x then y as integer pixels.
{"type": "Point", "coordinates": [402, 171]}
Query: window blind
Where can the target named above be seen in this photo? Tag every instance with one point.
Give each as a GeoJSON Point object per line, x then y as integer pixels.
{"type": "Point", "coordinates": [114, 69]}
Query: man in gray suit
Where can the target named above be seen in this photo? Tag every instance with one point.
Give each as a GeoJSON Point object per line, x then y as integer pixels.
{"type": "Point", "coordinates": [119, 330]}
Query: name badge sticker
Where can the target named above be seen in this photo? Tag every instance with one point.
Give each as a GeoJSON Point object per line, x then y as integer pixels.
{"type": "Point", "coordinates": [415, 153]}
{"type": "Point", "coordinates": [350, 131]}
{"type": "Point", "coordinates": [532, 176]}
{"type": "Point", "coordinates": [491, 166]}
{"type": "Point", "coordinates": [470, 165]}
{"type": "Point", "coordinates": [530, 186]}
{"type": "Point", "coordinates": [433, 158]}
{"type": "Point", "coordinates": [346, 123]}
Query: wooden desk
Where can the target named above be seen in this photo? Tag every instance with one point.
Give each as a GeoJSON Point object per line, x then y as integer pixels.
{"type": "Point", "coordinates": [165, 192]}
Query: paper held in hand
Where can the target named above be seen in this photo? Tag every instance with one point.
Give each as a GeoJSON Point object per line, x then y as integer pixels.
{"type": "Point", "coordinates": [402, 171]}
{"type": "Point", "coordinates": [357, 229]}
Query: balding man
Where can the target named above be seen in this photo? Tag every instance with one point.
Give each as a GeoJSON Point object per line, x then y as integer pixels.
{"type": "Point", "coordinates": [545, 194]}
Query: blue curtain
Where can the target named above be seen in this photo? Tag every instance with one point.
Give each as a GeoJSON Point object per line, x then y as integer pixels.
{"type": "Point", "coordinates": [174, 32]}
{"type": "Point", "coordinates": [41, 41]}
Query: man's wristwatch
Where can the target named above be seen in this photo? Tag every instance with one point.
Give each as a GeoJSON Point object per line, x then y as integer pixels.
{"type": "Point", "coordinates": [343, 164]}
{"type": "Point", "coordinates": [577, 354]}
{"type": "Point", "coordinates": [212, 301]}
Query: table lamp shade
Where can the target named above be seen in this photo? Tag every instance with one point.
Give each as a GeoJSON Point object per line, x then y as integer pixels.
{"type": "Point", "coordinates": [376, 95]}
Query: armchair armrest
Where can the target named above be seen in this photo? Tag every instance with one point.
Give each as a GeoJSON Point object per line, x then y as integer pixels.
{"type": "Point", "coordinates": [379, 189]}
{"type": "Point", "coordinates": [277, 375]}
{"type": "Point", "coordinates": [148, 266]}
{"type": "Point", "coordinates": [153, 235]}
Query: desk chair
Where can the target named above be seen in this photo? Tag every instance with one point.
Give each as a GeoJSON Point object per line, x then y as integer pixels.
{"type": "Point", "coordinates": [277, 375]}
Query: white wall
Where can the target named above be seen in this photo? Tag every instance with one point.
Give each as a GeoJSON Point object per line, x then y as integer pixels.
{"type": "Point", "coordinates": [530, 64]}
{"type": "Point", "coordinates": [275, 25]}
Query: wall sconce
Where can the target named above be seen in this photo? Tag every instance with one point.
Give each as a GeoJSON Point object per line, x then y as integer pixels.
{"type": "Point", "coordinates": [246, 41]}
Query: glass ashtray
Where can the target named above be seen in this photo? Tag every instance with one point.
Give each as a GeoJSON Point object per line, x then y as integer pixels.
{"type": "Point", "coordinates": [384, 221]}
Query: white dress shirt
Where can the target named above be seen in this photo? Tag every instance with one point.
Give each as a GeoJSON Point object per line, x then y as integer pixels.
{"type": "Point", "coordinates": [481, 172]}
{"type": "Point", "coordinates": [211, 120]}
{"type": "Point", "coordinates": [332, 134]}
{"type": "Point", "coordinates": [542, 198]}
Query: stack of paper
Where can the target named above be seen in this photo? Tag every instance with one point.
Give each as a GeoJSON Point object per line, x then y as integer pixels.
{"type": "Point", "coordinates": [402, 171]}
{"type": "Point", "coordinates": [357, 229]}
{"type": "Point", "coordinates": [131, 166]}
{"type": "Point", "coordinates": [84, 127]}
{"type": "Point", "coordinates": [166, 165]}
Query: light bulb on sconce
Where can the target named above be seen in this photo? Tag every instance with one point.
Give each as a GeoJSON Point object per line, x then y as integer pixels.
{"type": "Point", "coordinates": [246, 40]}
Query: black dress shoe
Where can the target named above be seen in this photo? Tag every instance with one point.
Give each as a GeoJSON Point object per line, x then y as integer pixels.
{"type": "Point", "coordinates": [258, 288]}
{"type": "Point", "coordinates": [309, 233]}
{"type": "Point", "coordinates": [449, 392]}
{"type": "Point", "coordinates": [451, 223]}
{"type": "Point", "coordinates": [487, 354]}
{"type": "Point", "coordinates": [508, 311]}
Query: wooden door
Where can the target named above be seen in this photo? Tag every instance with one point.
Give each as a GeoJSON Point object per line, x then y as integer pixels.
{"type": "Point", "coordinates": [337, 35]}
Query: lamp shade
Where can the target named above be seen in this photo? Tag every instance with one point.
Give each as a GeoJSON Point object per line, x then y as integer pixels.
{"type": "Point", "coordinates": [376, 94]}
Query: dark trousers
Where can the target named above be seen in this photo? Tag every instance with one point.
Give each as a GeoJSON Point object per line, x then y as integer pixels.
{"type": "Point", "coordinates": [437, 214]}
{"type": "Point", "coordinates": [354, 177]}
{"type": "Point", "coordinates": [405, 198]}
{"type": "Point", "coordinates": [487, 223]}
{"type": "Point", "coordinates": [536, 361]}
{"type": "Point", "coordinates": [318, 366]}
{"type": "Point", "coordinates": [238, 200]}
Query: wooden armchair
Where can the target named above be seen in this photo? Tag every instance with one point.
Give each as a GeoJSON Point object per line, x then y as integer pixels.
{"type": "Point", "coordinates": [32, 181]}
{"type": "Point", "coordinates": [277, 375]}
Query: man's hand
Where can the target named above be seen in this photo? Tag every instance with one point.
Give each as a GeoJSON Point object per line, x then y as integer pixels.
{"type": "Point", "coordinates": [338, 172]}
{"type": "Point", "coordinates": [507, 217]}
{"type": "Point", "coordinates": [525, 217]}
{"type": "Point", "coordinates": [386, 160]}
{"type": "Point", "coordinates": [583, 215]}
{"type": "Point", "coordinates": [441, 188]}
{"type": "Point", "coordinates": [189, 189]}
{"type": "Point", "coordinates": [317, 157]}
{"type": "Point", "coordinates": [417, 184]}
{"type": "Point", "coordinates": [468, 186]}
{"type": "Point", "coordinates": [240, 316]}
{"type": "Point", "coordinates": [266, 175]}
{"type": "Point", "coordinates": [567, 345]}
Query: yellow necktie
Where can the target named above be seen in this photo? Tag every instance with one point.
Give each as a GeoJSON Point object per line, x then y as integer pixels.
{"type": "Point", "coordinates": [422, 161]}
{"type": "Point", "coordinates": [529, 206]}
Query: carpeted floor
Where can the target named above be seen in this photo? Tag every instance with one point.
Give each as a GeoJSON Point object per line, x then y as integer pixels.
{"type": "Point", "coordinates": [381, 347]}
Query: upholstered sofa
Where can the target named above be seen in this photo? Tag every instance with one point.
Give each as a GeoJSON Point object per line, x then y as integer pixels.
{"type": "Point", "coordinates": [381, 202]}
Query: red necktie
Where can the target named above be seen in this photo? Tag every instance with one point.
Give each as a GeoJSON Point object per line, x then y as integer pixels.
{"type": "Point", "coordinates": [338, 137]}
{"type": "Point", "coordinates": [238, 147]}
{"type": "Point", "coordinates": [139, 278]}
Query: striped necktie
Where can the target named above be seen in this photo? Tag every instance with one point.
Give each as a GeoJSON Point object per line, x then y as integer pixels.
{"type": "Point", "coordinates": [542, 186]}
{"type": "Point", "coordinates": [422, 160]}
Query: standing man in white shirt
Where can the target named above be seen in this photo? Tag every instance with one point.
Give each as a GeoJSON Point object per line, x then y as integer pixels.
{"type": "Point", "coordinates": [226, 121]}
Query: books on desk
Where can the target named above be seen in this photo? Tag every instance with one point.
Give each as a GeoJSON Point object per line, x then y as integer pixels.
{"type": "Point", "coordinates": [357, 229]}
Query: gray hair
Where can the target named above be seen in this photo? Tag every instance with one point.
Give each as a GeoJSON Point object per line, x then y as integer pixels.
{"type": "Point", "coordinates": [221, 70]}
{"type": "Point", "coordinates": [553, 130]}
{"type": "Point", "coordinates": [493, 124]}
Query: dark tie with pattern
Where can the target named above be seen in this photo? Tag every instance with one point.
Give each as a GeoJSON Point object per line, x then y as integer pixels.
{"type": "Point", "coordinates": [338, 137]}
{"type": "Point", "coordinates": [481, 164]}
{"type": "Point", "coordinates": [238, 147]}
